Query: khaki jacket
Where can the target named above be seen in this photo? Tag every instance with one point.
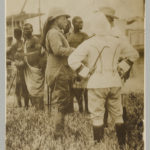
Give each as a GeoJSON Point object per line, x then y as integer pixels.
{"type": "Point", "coordinates": [58, 51]}
{"type": "Point", "coordinates": [105, 74]}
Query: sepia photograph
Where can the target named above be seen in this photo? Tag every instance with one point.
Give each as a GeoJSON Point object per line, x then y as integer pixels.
{"type": "Point", "coordinates": [75, 74]}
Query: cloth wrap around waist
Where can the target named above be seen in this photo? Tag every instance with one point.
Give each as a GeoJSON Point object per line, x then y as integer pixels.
{"type": "Point", "coordinates": [34, 79]}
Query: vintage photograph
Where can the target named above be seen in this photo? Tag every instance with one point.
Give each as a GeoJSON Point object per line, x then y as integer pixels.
{"type": "Point", "coordinates": [75, 75]}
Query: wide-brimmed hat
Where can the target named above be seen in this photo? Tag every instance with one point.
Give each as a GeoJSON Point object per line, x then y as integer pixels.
{"type": "Point", "coordinates": [108, 11]}
{"type": "Point", "coordinates": [57, 12]}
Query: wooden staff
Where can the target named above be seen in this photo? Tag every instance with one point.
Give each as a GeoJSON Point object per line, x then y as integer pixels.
{"type": "Point", "coordinates": [11, 83]}
{"type": "Point", "coordinates": [49, 98]}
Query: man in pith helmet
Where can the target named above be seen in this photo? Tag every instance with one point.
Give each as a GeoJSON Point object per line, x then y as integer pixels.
{"type": "Point", "coordinates": [101, 55]}
{"type": "Point", "coordinates": [58, 74]}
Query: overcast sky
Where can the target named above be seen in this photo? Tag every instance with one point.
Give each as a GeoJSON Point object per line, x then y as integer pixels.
{"type": "Point", "coordinates": [124, 8]}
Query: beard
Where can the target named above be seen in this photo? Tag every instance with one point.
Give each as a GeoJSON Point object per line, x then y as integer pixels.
{"type": "Point", "coordinates": [27, 35]}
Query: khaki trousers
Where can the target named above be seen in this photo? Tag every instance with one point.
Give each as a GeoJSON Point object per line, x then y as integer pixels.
{"type": "Point", "coordinates": [97, 99]}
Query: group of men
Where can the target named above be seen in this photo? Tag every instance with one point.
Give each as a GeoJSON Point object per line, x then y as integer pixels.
{"type": "Point", "coordinates": [29, 76]}
{"type": "Point", "coordinates": [77, 65]}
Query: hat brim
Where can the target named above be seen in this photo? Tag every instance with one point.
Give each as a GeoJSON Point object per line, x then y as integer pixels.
{"type": "Point", "coordinates": [115, 17]}
{"type": "Point", "coordinates": [54, 17]}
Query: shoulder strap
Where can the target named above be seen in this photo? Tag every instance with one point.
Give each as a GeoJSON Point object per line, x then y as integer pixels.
{"type": "Point", "coordinates": [99, 55]}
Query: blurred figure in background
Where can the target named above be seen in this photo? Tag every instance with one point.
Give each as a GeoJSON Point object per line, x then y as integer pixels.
{"type": "Point", "coordinates": [104, 73]}
{"type": "Point", "coordinates": [15, 53]}
{"type": "Point", "coordinates": [75, 39]}
{"type": "Point", "coordinates": [77, 36]}
{"type": "Point", "coordinates": [34, 76]}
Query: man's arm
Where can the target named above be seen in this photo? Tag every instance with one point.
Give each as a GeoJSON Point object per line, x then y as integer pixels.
{"type": "Point", "coordinates": [57, 45]}
{"type": "Point", "coordinates": [11, 51]}
{"type": "Point", "coordinates": [128, 52]}
{"type": "Point", "coordinates": [129, 55]}
{"type": "Point", "coordinates": [85, 36]}
{"type": "Point", "coordinates": [77, 57]}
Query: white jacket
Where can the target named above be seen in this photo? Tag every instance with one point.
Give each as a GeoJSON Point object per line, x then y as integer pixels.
{"type": "Point", "coordinates": [106, 74]}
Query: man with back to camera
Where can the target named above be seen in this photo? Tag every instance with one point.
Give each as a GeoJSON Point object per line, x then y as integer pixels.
{"type": "Point", "coordinates": [75, 39]}
{"type": "Point", "coordinates": [104, 73]}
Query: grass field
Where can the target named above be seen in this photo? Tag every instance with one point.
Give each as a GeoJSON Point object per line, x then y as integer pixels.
{"type": "Point", "coordinates": [33, 130]}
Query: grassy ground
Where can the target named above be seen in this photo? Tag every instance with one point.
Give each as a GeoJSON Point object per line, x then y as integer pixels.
{"type": "Point", "coordinates": [33, 130]}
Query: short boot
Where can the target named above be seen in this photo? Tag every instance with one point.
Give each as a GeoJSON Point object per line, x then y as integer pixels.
{"type": "Point", "coordinates": [59, 131]}
{"type": "Point", "coordinates": [26, 101]}
{"type": "Point", "coordinates": [18, 97]}
{"type": "Point", "coordinates": [121, 134]}
{"type": "Point", "coordinates": [81, 108]}
{"type": "Point", "coordinates": [98, 132]}
{"type": "Point", "coordinates": [59, 128]}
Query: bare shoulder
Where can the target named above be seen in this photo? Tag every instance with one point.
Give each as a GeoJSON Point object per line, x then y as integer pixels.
{"type": "Point", "coordinates": [85, 35]}
{"type": "Point", "coordinates": [35, 39]}
{"type": "Point", "coordinates": [87, 42]}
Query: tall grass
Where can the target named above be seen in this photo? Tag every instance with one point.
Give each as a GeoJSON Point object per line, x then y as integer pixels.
{"type": "Point", "coordinates": [34, 130]}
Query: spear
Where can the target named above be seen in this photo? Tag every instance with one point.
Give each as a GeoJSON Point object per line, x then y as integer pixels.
{"type": "Point", "coordinates": [11, 84]}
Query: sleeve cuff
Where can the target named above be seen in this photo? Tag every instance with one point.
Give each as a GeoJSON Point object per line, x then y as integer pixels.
{"type": "Point", "coordinates": [124, 66]}
{"type": "Point", "coordinates": [84, 72]}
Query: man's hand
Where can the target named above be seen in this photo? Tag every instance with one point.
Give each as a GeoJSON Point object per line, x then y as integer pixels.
{"type": "Point", "coordinates": [121, 72]}
{"type": "Point", "coordinates": [88, 74]}
{"type": "Point", "coordinates": [124, 68]}
{"type": "Point", "coordinates": [84, 72]}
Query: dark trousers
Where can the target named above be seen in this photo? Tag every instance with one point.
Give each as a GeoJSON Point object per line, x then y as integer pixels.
{"type": "Point", "coordinates": [37, 102]}
{"type": "Point", "coordinates": [21, 89]}
{"type": "Point", "coordinates": [62, 94]}
{"type": "Point", "coordinates": [62, 98]}
{"type": "Point", "coordinates": [81, 94]}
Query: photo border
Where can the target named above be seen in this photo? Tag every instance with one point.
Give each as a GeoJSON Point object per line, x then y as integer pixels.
{"type": "Point", "coordinates": [2, 75]}
{"type": "Point", "coordinates": [147, 73]}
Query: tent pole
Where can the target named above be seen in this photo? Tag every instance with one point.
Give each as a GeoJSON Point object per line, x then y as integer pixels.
{"type": "Point", "coordinates": [40, 18]}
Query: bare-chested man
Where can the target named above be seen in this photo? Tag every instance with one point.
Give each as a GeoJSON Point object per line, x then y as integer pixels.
{"type": "Point", "coordinates": [15, 53]}
{"type": "Point", "coordinates": [75, 39]}
{"type": "Point", "coordinates": [33, 73]}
